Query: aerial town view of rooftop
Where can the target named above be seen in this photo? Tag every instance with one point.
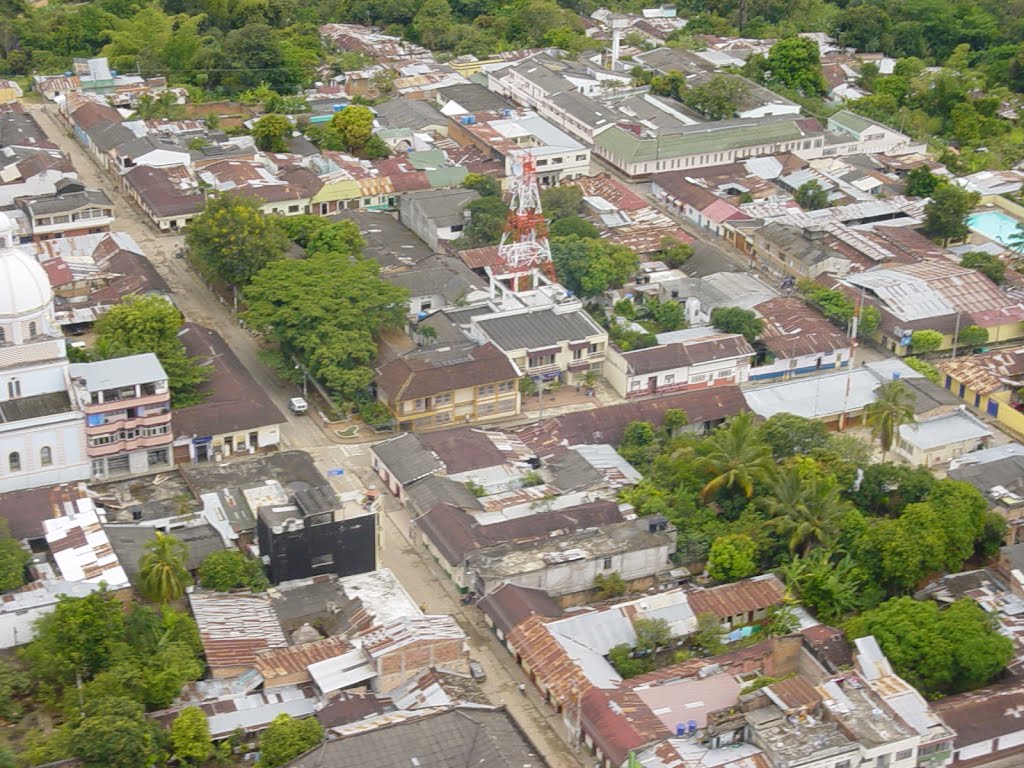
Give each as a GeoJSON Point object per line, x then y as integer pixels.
{"type": "Point", "coordinates": [512, 384]}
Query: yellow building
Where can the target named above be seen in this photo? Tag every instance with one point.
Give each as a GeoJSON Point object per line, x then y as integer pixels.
{"type": "Point", "coordinates": [9, 91]}
{"type": "Point", "coordinates": [989, 384]}
{"type": "Point", "coordinates": [449, 386]}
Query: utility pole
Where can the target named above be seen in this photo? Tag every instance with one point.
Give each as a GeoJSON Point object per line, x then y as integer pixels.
{"type": "Point", "coordinates": [956, 336]}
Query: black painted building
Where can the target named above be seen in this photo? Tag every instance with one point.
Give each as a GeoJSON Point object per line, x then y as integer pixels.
{"type": "Point", "coordinates": [316, 533]}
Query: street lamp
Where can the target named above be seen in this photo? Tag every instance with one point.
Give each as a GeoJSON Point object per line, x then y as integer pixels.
{"type": "Point", "coordinates": [305, 392]}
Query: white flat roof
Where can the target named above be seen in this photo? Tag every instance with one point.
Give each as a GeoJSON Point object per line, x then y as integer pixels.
{"type": "Point", "coordinates": [119, 372]}
{"type": "Point", "coordinates": [955, 427]}
{"type": "Point", "coordinates": [342, 671]}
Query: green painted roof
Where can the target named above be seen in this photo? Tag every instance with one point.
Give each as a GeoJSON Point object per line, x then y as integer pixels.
{"type": "Point", "coordinates": [697, 139]}
{"type": "Point", "coordinates": [426, 159]}
{"type": "Point", "coordinates": [448, 176]}
{"type": "Point", "coordinates": [394, 133]}
{"type": "Point", "coordinates": [851, 122]}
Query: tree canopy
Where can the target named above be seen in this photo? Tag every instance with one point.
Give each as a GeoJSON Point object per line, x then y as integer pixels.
{"type": "Point", "coordinates": [327, 311]}
{"type": "Point", "coordinates": [737, 320]}
{"type": "Point", "coordinates": [589, 267]}
{"type": "Point", "coordinates": [231, 569]}
{"type": "Point", "coordinates": [287, 738]}
{"type": "Point", "coordinates": [232, 239]}
{"type": "Point", "coordinates": [142, 324]}
{"type": "Point", "coordinates": [945, 215]}
{"type": "Point", "coordinates": [938, 651]}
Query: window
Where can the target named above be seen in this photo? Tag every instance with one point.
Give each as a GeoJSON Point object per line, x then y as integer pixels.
{"type": "Point", "coordinates": [594, 349]}
{"type": "Point", "coordinates": [699, 378]}
{"type": "Point", "coordinates": [13, 388]}
{"type": "Point", "coordinates": [46, 456]}
{"type": "Point", "coordinates": [670, 379]}
{"type": "Point", "coordinates": [323, 561]}
{"type": "Point", "coordinates": [3, 336]}
{"type": "Point", "coordinates": [577, 354]}
{"type": "Point", "coordinates": [425, 305]}
{"type": "Point", "coordinates": [14, 461]}
{"type": "Point", "coordinates": [157, 458]}
{"type": "Point", "coordinates": [580, 158]}
{"type": "Point", "coordinates": [634, 385]}
{"type": "Point", "coordinates": [904, 755]}
{"type": "Point", "coordinates": [117, 464]}
{"type": "Point", "coordinates": [507, 386]}
{"type": "Point", "coordinates": [443, 418]}
{"type": "Point", "coordinates": [485, 391]}
{"type": "Point", "coordinates": [883, 761]}
{"type": "Point", "coordinates": [536, 362]}
{"type": "Point", "coordinates": [541, 162]}
{"type": "Point", "coordinates": [419, 405]}
{"type": "Point", "coordinates": [507, 405]}
{"type": "Point", "coordinates": [607, 564]}
{"type": "Point", "coordinates": [444, 398]}
{"type": "Point", "coordinates": [457, 227]}
{"type": "Point", "coordinates": [293, 209]}
{"type": "Point", "coordinates": [726, 374]}
{"type": "Point", "coordinates": [33, 330]}
{"type": "Point", "coordinates": [843, 764]}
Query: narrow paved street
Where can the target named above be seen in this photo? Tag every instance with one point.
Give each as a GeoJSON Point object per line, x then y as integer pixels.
{"type": "Point", "coordinates": [421, 577]}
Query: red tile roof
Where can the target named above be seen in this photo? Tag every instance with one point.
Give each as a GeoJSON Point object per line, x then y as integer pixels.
{"type": "Point", "coordinates": [738, 598]}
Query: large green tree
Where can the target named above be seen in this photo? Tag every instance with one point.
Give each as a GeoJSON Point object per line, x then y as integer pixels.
{"type": "Point", "coordinates": [938, 651]}
{"type": "Point", "coordinates": [945, 215]}
{"type": "Point", "coordinates": [327, 310]}
{"type": "Point", "coordinates": [590, 267]}
{"type": "Point", "coordinates": [788, 435]}
{"type": "Point", "coordinates": [286, 738]}
{"type": "Point", "coordinates": [811, 196]}
{"type": "Point", "coordinates": [831, 586]}
{"type": "Point", "coordinates": [232, 239]}
{"type": "Point", "coordinates": [988, 264]}
{"type": "Point", "coordinates": [272, 132]}
{"type": "Point", "coordinates": [162, 573]}
{"type": "Point", "coordinates": [113, 734]}
{"type": "Point", "coordinates": [231, 569]}
{"type": "Point", "coordinates": [732, 557]}
{"type": "Point", "coordinates": [142, 324]}
{"type": "Point", "coordinates": [795, 62]}
{"type": "Point", "coordinates": [190, 736]}
{"type": "Point", "coordinates": [13, 559]}
{"type": "Point", "coordinates": [737, 320]}
{"type": "Point", "coordinates": [487, 216]}
{"type": "Point", "coordinates": [253, 55]}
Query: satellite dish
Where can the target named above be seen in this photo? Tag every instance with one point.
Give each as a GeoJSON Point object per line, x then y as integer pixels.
{"type": "Point", "coordinates": [517, 169]}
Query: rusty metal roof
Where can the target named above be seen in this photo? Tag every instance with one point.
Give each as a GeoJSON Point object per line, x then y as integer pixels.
{"type": "Point", "coordinates": [741, 597]}
{"type": "Point", "coordinates": [235, 626]}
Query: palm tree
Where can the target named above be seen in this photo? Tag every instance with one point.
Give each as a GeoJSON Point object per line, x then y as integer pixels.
{"type": "Point", "coordinates": [893, 407]}
{"type": "Point", "coordinates": [805, 512]}
{"type": "Point", "coordinates": [830, 587]}
{"type": "Point", "coordinates": [1016, 240]}
{"type": "Point", "coordinates": [162, 574]}
{"type": "Point", "coordinates": [737, 458]}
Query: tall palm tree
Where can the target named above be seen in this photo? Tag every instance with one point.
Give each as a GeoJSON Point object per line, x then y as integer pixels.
{"type": "Point", "coordinates": [737, 458]}
{"type": "Point", "coordinates": [893, 407]}
{"type": "Point", "coordinates": [162, 574]}
{"type": "Point", "coordinates": [805, 511]}
{"type": "Point", "coordinates": [1016, 240]}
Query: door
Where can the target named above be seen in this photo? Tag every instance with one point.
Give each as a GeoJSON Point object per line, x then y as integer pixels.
{"type": "Point", "coordinates": [203, 452]}
{"type": "Point", "coordinates": [181, 454]}
{"type": "Point", "coordinates": [652, 384]}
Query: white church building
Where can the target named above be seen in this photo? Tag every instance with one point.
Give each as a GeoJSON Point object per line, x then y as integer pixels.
{"type": "Point", "coordinates": [42, 429]}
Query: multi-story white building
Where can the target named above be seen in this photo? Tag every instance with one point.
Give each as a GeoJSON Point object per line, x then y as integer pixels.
{"type": "Point", "coordinates": [42, 429]}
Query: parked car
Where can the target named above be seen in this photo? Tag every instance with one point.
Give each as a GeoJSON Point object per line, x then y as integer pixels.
{"type": "Point", "coordinates": [298, 405]}
{"type": "Point", "coordinates": [476, 669]}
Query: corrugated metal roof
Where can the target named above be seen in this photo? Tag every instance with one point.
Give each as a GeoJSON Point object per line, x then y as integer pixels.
{"type": "Point", "coordinates": [235, 626]}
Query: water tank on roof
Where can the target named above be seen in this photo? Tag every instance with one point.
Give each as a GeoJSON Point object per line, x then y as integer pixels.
{"type": "Point", "coordinates": [338, 107]}
{"type": "Point", "coordinates": [506, 113]}
{"type": "Point", "coordinates": [113, 73]}
{"type": "Point", "coordinates": [692, 726]}
{"type": "Point", "coordinates": [68, 73]}
{"type": "Point", "coordinates": [895, 375]}
{"type": "Point", "coordinates": [680, 729]}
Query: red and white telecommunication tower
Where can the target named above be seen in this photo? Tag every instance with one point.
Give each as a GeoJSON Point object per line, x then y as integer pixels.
{"type": "Point", "coordinates": [524, 248]}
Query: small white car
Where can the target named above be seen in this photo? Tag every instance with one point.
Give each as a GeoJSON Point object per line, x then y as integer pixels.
{"type": "Point", "coordinates": [298, 405]}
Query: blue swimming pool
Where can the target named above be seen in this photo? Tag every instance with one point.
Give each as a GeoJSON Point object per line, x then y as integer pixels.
{"type": "Point", "coordinates": [995, 225]}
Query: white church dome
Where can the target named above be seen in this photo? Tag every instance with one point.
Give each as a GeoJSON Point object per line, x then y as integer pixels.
{"type": "Point", "coordinates": [24, 286]}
